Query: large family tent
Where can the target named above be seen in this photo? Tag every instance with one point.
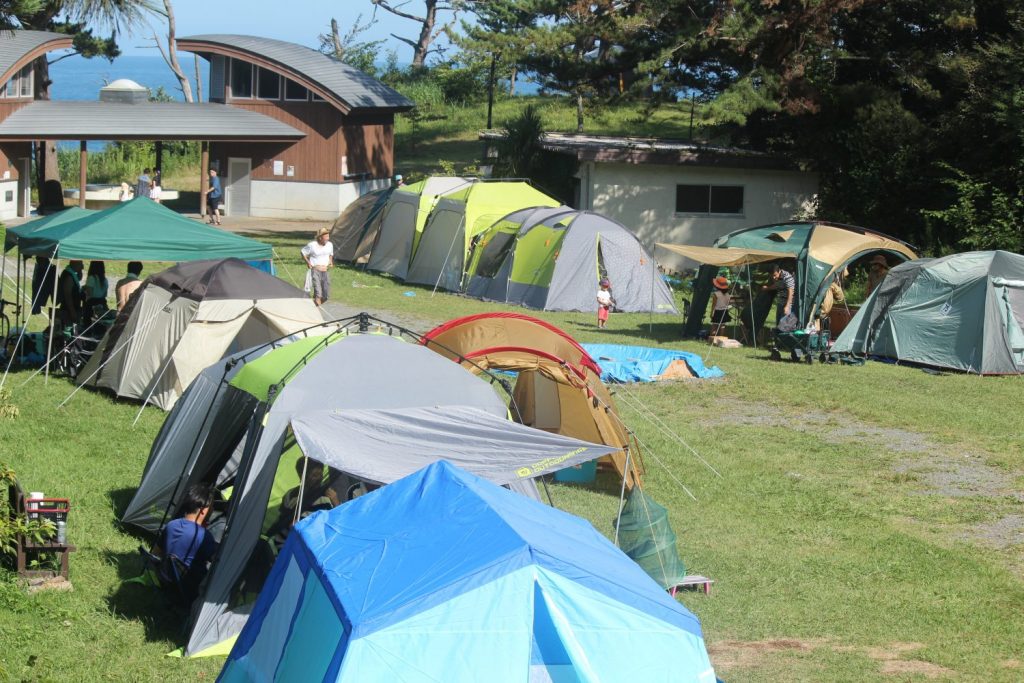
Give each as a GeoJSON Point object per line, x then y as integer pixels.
{"type": "Point", "coordinates": [355, 230]}
{"type": "Point", "coordinates": [962, 312]}
{"type": "Point", "coordinates": [443, 576]}
{"type": "Point", "coordinates": [557, 386]}
{"type": "Point", "coordinates": [553, 259]}
{"type": "Point", "coordinates": [403, 219]}
{"type": "Point", "coordinates": [821, 250]}
{"type": "Point", "coordinates": [185, 318]}
{"type": "Point", "coordinates": [339, 399]}
{"type": "Point", "coordinates": [139, 230]}
{"type": "Point", "coordinates": [441, 257]}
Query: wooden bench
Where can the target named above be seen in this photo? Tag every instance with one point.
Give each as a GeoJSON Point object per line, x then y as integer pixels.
{"type": "Point", "coordinates": [29, 551]}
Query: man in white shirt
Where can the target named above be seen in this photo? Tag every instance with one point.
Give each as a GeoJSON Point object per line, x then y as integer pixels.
{"type": "Point", "coordinates": [319, 256]}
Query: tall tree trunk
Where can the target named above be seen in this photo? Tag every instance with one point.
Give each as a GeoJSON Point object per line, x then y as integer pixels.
{"type": "Point", "coordinates": [426, 35]}
{"type": "Point", "coordinates": [339, 49]}
{"type": "Point", "coordinates": [171, 54]}
{"type": "Point", "coordinates": [199, 79]}
{"type": "Point", "coordinates": [512, 81]}
{"type": "Point", "coordinates": [46, 152]}
{"type": "Point", "coordinates": [579, 110]}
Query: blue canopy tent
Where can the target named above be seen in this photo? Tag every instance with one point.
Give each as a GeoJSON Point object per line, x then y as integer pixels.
{"type": "Point", "coordinates": [445, 576]}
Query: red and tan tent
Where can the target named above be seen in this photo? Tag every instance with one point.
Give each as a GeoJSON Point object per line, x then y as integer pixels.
{"type": "Point", "coordinates": [558, 387]}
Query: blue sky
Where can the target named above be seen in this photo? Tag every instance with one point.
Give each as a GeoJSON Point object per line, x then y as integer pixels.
{"type": "Point", "coordinates": [297, 21]}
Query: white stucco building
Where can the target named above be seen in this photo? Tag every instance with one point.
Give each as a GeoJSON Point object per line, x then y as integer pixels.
{"type": "Point", "coordinates": [682, 192]}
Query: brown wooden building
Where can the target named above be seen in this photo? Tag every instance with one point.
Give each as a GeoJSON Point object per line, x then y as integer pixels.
{"type": "Point", "coordinates": [346, 116]}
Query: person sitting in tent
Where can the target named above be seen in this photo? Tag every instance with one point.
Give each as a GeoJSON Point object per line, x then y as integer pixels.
{"type": "Point", "coordinates": [69, 294]}
{"type": "Point", "coordinates": [313, 493]}
{"type": "Point", "coordinates": [127, 285]}
{"type": "Point", "coordinates": [833, 295]}
{"type": "Point", "coordinates": [95, 291]}
{"type": "Point", "coordinates": [722, 302]}
{"type": "Point", "coordinates": [186, 545]}
{"type": "Point", "coordinates": [878, 268]}
{"type": "Point", "coordinates": [42, 284]}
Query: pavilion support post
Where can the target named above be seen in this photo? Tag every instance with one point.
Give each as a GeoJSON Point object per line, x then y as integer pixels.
{"type": "Point", "coordinates": [204, 171]}
{"type": "Point", "coordinates": [83, 156]}
{"type": "Point", "coordinates": [159, 171]}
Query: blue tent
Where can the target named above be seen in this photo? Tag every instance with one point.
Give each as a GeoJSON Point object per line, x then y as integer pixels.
{"type": "Point", "coordinates": [622, 363]}
{"type": "Point", "coordinates": [443, 576]}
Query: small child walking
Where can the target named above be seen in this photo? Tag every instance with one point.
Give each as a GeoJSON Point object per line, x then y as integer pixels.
{"type": "Point", "coordinates": [604, 303]}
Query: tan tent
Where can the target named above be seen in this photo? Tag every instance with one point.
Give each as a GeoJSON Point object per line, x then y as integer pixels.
{"type": "Point", "coordinates": [558, 387]}
{"type": "Point", "coordinates": [187, 317]}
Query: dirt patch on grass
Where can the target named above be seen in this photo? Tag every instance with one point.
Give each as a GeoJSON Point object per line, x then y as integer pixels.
{"type": "Point", "coordinates": [414, 323]}
{"type": "Point", "coordinates": [959, 477]}
{"type": "Point", "coordinates": [729, 654]}
{"type": "Point", "coordinates": [906, 667]}
{"type": "Point", "coordinates": [1000, 534]}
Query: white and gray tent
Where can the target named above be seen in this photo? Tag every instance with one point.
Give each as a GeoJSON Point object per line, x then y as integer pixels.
{"type": "Point", "coordinates": [961, 312]}
{"type": "Point", "coordinates": [185, 318]}
{"type": "Point", "coordinates": [403, 220]}
{"type": "Point", "coordinates": [553, 259]}
{"type": "Point", "coordinates": [343, 399]}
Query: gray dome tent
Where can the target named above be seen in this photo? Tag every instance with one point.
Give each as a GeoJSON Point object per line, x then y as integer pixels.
{"type": "Point", "coordinates": [186, 317]}
{"type": "Point", "coordinates": [553, 259]}
{"type": "Point", "coordinates": [962, 312]}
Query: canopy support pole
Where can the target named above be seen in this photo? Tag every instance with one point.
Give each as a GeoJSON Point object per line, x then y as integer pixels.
{"type": "Point", "coordinates": [53, 310]}
{"type": "Point", "coordinates": [204, 175]}
{"type": "Point", "coordinates": [750, 291]}
{"type": "Point", "coordinates": [83, 165]}
{"type": "Point", "coordinates": [159, 160]}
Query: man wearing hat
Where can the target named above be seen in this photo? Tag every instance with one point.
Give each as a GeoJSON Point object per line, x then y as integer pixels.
{"type": "Point", "coordinates": [319, 256]}
{"type": "Point", "coordinates": [878, 268]}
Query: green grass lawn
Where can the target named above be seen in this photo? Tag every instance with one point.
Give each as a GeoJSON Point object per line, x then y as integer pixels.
{"type": "Point", "coordinates": [866, 527]}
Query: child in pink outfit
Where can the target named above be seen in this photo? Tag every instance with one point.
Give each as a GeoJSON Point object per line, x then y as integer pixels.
{"type": "Point", "coordinates": [604, 303]}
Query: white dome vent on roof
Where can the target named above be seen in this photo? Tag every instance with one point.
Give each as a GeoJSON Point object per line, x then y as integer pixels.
{"type": "Point", "coordinates": [124, 90]}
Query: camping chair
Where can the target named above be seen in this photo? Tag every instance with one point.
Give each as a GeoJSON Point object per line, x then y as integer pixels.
{"type": "Point", "coordinates": [168, 573]}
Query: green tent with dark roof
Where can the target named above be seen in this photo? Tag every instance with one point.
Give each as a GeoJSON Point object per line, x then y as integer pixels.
{"type": "Point", "coordinates": [138, 230]}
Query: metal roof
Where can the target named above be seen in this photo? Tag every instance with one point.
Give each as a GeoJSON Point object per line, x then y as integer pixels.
{"type": "Point", "coordinates": [73, 120]}
{"type": "Point", "coordinates": [350, 87]}
{"type": "Point", "coordinates": [14, 45]}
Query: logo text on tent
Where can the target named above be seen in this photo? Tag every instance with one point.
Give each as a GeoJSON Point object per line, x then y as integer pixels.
{"type": "Point", "coordinates": [541, 465]}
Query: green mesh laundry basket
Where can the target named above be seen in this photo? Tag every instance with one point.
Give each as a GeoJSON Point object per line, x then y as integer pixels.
{"type": "Point", "coordinates": [646, 536]}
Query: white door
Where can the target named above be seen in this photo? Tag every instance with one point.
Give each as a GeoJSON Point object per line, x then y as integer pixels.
{"type": "Point", "coordinates": [236, 194]}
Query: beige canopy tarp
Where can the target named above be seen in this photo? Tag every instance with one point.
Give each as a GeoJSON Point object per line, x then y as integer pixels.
{"type": "Point", "coordinates": [716, 256]}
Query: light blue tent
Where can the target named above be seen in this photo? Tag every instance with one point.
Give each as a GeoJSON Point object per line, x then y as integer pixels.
{"type": "Point", "coordinates": [443, 576]}
{"type": "Point", "coordinates": [623, 363]}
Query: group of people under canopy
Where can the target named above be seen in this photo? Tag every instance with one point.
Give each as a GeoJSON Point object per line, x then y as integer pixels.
{"type": "Point", "coordinates": [798, 268]}
{"type": "Point", "coordinates": [80, 302]}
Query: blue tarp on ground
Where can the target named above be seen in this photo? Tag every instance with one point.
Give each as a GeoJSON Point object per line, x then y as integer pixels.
{"type": "Point", "coordinates": [624, 363]}
{"type": "Point", "coordinates": [443, 576]}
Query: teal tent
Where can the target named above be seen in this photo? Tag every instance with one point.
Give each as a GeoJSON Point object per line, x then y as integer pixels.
{"type": "Point", "coordinates": [960, 312]}
{"type": "Point", "coordinates": [813, 251]}
{"type": "Point", "coordinates": [138, 230]}
{"type": "Point", "coordinates": [13, 236]}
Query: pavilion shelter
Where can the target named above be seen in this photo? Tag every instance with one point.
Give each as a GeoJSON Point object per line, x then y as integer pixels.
{"type": "Point", "coordinates": [403, 221]}
{"type": "Point", "coordinates": [441, 257]}
{"type": "Point", "coordinates": [815, 252]}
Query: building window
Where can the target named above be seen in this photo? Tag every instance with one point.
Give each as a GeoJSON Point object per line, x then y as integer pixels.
{"type": "Point", "coordinates": [20, 84]}
{"type": "Point", "coordinates": [711, 199]}
{"type": "Point", "coordinates": [241, 79]}
{"type": "Point", "coordinates": [268, 85]}
{"type": "Point", "coordinates": [294, 91]}
{"type": "Point", "coordinates": [26, 81]}
{"type": "Point", "coordinates": [315, 97]}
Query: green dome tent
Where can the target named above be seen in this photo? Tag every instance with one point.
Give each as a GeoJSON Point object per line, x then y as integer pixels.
{"type": "Point", "coordinates": [961, 312]}
{"type": "Point", "coordinates": [819, 249]}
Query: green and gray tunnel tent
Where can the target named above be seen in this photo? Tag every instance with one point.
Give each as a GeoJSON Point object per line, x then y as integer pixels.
{"type": "Point", "coordinates": [553, 258]}
{"type": "Point", "coordinates": [961, 312]}
{"type": "Point", "coordinates": [344, 399]}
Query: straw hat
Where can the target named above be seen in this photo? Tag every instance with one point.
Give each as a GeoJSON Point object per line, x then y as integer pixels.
{"type": "Point", "coordinates": [323, 231]}
{"type": "Point", "coordinates": [720, 283]}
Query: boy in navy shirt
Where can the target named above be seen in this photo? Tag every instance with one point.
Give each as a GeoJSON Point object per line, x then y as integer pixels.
{"type": "Point", "coordinates": [187, 539]}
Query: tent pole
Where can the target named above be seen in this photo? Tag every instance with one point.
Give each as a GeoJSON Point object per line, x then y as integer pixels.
{"type": "Point", "coordinates": [302, 490]}
{"type": "Point", "coordinates": [462, 225]}
{"type": "Point", "coordinates": [750, 291]}
{"type": "Point", "coordinates": [650, 313]}
{"type": "Point", "coordinates": [53, 315]}
{"type": "Point", "coordinates": [83, 165]}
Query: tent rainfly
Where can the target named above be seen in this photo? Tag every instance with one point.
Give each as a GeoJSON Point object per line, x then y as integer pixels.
{"type": "Point", "coordinates": [402, 222]}
{"type": "Point", "coordinates": [960, 312]}
{"type": "Point", "coordinates": [553, 259]}
{"type": "Point", "coordinates": [137, 230]}
{"type": "Point", "coordinates": [441, 257]}
{"type": "Point", "coordinates": [443, 576]}
{"type": "Point", "coordinates": [355, 230]}
{"type": "Point", "coordinates": [187, 317]}
{"type": "Point", "coordinates": [318, 393]}
{"type": "Point", "coordinates": [820, 250]}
